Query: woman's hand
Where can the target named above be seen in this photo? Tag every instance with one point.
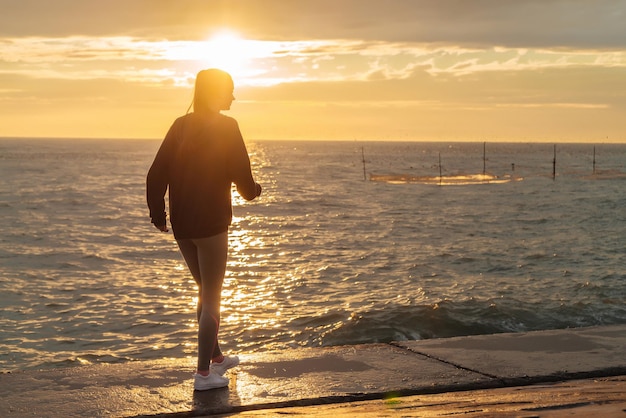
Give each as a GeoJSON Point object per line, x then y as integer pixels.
{"type": "Point", "coordinates": [162, 228]}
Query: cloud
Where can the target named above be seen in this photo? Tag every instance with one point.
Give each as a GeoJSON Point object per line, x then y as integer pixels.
{"type": "Point", "coordinates": [577, 24]}
{"type": "Point", "coordinates": [268, 62]}
{"type": "Point", "coordinates": [347, 64]}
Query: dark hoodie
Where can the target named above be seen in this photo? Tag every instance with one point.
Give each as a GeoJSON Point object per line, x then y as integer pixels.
{"type": "Point", "coordinates": [199, 160]}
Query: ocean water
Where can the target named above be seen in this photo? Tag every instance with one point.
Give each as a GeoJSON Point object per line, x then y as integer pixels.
{"type": "Point", "coordinates": [350, 243]}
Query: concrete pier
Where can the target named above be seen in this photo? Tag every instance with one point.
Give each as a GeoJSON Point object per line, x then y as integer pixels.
{"type": "Point", "coordinates": [573, 372]}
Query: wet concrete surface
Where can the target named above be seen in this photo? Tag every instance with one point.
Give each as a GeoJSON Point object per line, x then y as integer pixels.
{"type": "Point", "coordinates": [533, 354]}
{"type": "Point", "coordinates": [601, 398]}
{"type": "Point", "coordinates": [375, 376]}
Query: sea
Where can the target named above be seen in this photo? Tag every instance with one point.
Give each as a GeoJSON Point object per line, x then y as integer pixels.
{"type": "Point", "coordinates": [351, 243]}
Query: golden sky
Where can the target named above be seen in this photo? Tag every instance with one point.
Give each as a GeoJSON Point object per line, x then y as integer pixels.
{"type": "Point", "coordinates": [453, 70]}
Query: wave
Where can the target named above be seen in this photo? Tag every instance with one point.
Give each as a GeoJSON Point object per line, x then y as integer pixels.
{"type": "Point", "coordinates": [451, 319]}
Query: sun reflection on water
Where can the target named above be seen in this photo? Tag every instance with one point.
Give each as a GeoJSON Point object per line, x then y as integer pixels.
{"type": "Point", "coordinates": [253, 292]}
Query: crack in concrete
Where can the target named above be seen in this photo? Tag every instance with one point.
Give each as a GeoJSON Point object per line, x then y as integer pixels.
{"type": "Point", "coordinates": [458, 366]}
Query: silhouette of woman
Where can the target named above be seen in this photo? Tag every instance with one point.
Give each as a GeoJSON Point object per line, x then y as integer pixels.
{"type": "Point", "coordinates": [202, 155]}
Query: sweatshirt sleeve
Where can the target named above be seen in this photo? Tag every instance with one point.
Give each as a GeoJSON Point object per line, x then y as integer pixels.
{"type": "Point", "coordinates": [158, 177]}
{"type": "Point", "coordinates": [241, 171]}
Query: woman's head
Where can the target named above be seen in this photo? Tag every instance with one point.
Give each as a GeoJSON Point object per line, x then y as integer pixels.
{"type": "Point", "coordinates": [213, 91]}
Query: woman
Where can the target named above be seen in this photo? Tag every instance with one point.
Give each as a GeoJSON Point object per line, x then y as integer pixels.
{"type": "Point", "coordinates": [202, 155]}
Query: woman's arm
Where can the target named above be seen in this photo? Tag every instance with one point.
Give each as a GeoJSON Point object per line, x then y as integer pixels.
{"type": "Point", "coordinates": [241, 170]}
{"type": "Point", "coordinates": [157, 180]}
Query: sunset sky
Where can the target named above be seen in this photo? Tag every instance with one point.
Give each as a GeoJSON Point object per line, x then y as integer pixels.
{"type": "Point", "coordinates": [434, 70]}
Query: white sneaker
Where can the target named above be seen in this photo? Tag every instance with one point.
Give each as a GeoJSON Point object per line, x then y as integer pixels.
{"type": "Point", "coordinates": [211, 381]}
{"type": "Point", "coordinates": [228, 363]}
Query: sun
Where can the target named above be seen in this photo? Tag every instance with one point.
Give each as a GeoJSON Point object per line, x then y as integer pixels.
{"type": "Point", "coordinates": [228, 51]}
{"type": "Point", "coordinates": [248, 61]}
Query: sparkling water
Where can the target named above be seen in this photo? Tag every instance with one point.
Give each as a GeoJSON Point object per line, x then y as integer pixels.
{"type": "Point", "coordinates": [336, 251]}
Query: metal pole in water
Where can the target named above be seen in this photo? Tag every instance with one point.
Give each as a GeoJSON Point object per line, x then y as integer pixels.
{"type": "Point", "coordinates": [594, 159]}
{"type": "Point", "coordinates": [554, 164]}
{"type": "Point", "coordinates": [440, 169]}
{"type": "Point", "coordinates": [363, 158]}
{"type": "Point", "coordinates": [484, 158]}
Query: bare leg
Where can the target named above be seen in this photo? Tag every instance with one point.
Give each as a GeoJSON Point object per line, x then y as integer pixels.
{"type": "Point", "coordinates": [209, 263]}
{"type": "Point", "coordinates": [190, 253]}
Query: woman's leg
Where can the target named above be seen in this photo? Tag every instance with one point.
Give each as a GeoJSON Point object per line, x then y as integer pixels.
{"type": "Point", "coordinates": [189, 250]}
{"type": "Point", "coordinates": [190, 253]}
{"type": "Point", "coordinates": [212, 256]}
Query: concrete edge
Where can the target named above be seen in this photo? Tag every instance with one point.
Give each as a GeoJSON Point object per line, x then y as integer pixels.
{"type": "Point", "coordinates": [492, 383]}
